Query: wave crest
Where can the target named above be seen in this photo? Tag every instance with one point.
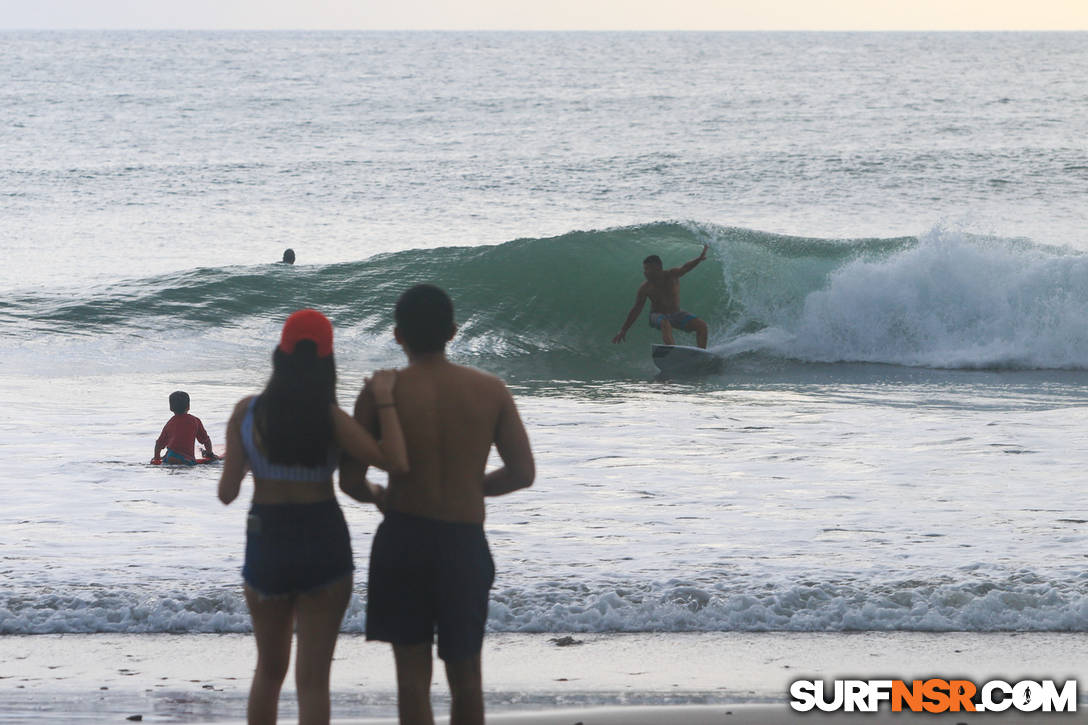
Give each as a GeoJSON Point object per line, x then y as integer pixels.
{"type": "Point", "coordinates": [550, 306]}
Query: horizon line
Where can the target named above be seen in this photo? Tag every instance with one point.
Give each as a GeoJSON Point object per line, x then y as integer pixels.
{"type": "Point", "coordinates": [534, 30]}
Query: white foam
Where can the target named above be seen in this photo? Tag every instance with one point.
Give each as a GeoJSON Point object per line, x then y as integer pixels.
{"type": "Point", "coordinates": [952, 301]}
{"type": "Point", "coordinates": [1012, 604]}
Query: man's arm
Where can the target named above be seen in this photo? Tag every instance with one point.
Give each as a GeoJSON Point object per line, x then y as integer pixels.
{"type": "Point", "coordinates": [640, 302]}
{"type": "Point", "coordinates": [688, 266]}
{"type": "Point", "coordinates": [512, 443]}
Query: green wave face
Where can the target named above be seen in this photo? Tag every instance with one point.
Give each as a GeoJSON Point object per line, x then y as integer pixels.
{"type": "Point", "coordinates": [547, 309]}
{"type": "Point", "coordinates": [535, 306]}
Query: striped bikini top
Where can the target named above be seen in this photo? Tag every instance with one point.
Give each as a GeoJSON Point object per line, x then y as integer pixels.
{"type": "Point", "coordinates": [264, 468]}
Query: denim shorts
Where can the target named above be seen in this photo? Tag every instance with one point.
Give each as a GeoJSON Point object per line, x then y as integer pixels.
{"type": "Point", "coordinates": [429, 576]}
{"type": "Point", "coordinates": [296, 548]}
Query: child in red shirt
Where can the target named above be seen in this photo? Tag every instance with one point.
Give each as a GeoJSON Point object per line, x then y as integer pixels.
{"type": "Point", "coordinates": [180, 434]}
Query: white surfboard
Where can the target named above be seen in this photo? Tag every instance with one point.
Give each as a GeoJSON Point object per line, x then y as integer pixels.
{"type": "Point", "coordinates": [686, 360]}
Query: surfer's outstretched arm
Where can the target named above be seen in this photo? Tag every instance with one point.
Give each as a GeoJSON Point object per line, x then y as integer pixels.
{"type": "Point", "coordinates": [640, 302]}
{"type": "Point", "coordinates": [688, 266]}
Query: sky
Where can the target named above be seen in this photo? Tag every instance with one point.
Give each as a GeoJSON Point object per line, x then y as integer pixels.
{"type": "Point", "coordinates": [547, 14]}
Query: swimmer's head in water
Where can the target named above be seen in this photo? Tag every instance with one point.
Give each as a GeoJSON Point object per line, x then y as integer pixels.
{"type": "Point", "coordinates": [424, 317]}
{"type": "Point", "coordinates": [307, 325]}
{"type": "Point", "coordinates": [179, 401]}
{"type": "Point", "coordinates": [289, 256]}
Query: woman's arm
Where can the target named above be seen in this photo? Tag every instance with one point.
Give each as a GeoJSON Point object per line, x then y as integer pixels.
{"type": "Point", "coordinates": [234, 462]}
{"type": "Point", "coordinates": [360, 487]}
{"type": "Point", "coordinates": [353, 480]}
{"type": "Point", "coordinates": [389, 453]}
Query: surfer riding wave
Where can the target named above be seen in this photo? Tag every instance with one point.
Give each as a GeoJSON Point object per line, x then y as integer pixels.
{"type": "Point", "coordinates": [662, 288]}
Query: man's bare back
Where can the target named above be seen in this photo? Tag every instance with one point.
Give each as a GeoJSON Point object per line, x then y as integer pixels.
{"type": "Point", "coordinates": [450, 415]}
{"type": "Point", "coordinates": [430, 565]}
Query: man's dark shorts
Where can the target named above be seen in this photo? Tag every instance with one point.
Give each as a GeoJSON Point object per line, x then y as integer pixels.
{"type": "Point", "coordinates": [425, 576]}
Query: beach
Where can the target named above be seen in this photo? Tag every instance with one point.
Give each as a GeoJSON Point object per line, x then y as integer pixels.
{"type": "Point", "coordinates": [545, 678]}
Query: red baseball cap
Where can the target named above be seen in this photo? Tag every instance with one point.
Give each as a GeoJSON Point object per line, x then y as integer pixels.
{"type": "Point", "coordinates": [307, 325]}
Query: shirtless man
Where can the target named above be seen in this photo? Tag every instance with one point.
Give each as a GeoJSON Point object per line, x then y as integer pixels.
{"type": "Point", "coordinates": [662, 287]}
{"type": "Point", "coordinates": [430, 567]}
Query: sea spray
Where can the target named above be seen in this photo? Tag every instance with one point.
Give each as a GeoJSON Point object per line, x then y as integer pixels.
{"type": "Point", "coordinates": [951, 301]}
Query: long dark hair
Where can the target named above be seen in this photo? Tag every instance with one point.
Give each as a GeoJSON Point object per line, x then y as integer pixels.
{"type": "Point", "coordinates": [292, 415]}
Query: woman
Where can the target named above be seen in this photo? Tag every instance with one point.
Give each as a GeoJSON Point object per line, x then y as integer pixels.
{"type": "Point", "coordinates": [298, 567]}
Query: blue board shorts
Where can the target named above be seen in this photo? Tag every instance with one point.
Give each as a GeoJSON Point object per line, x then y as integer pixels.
{"type": "Point", "coordinates": [173, 458]}
{"type": "Point", "coordinates": [296, 548]}
{"type": "Point", "coordinates": [429, 576]}
{"type": "Point", "coordinates": [679, 319]}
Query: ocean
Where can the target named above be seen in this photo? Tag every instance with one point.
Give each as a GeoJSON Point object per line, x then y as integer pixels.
{"type": "Point", "coordinates": [897, 276]}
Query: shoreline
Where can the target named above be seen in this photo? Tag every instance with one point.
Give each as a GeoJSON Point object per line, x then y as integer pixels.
{"type": "Point", "coordinates": [743, 714]}
{"type": "Point", "coordinates": [204, 678]}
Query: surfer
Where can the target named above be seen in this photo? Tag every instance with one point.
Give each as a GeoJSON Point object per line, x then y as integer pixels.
{"type": "Point", "coordinates": [662, 287]}
{"type": "Point", "coordinates": [180, 434]}
{"type": "Point", "coordinates": [298, 561]}
{"type": "Point", "coordinates": [288, 256]}
{"type": "Point", "coordinates": [430, 566]}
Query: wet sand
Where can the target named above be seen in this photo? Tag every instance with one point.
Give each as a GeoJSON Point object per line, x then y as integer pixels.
{"type": "Point", "coordinates": [529, 678]}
